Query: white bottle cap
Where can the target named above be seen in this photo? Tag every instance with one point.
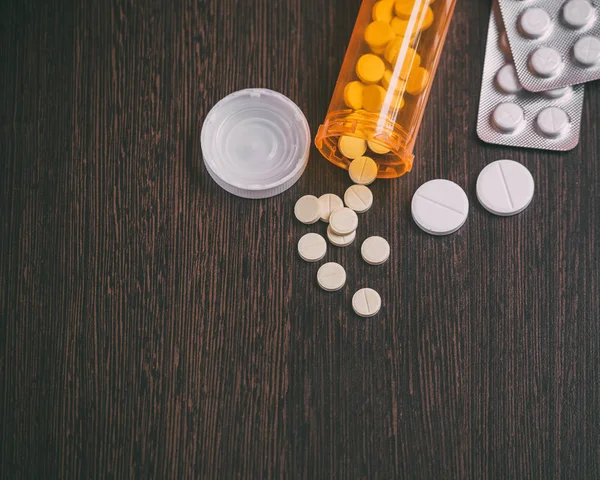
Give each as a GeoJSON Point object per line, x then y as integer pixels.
{"type": "Point", "coordinates": [255, 143]}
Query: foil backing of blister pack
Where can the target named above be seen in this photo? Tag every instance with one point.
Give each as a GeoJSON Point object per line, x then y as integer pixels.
{"type": "Point", "coordinates": [559, 36]}
{"type": "Point", "coordinates": [532, 104]}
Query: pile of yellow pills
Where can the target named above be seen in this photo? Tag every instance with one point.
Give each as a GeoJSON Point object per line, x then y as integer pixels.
{"type": "Point", "coordinates": [390, 72]}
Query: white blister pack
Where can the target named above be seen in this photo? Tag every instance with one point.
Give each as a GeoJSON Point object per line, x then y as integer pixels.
{"type": "Point", "coordinates": [510, 115]}
{"type": "Point", "coordinates": [555, 43]}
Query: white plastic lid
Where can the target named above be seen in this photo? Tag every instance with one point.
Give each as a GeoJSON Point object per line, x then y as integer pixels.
{"type": "Point", "coordinates": [255, 143]}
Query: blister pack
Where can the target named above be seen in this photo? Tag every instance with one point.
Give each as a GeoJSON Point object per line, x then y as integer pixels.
{"type": "Point", "coordinates": [555, 43]}
{"type": "Point", "coordinates": [510, 115]}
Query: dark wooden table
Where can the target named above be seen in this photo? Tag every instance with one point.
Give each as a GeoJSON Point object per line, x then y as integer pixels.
{"type": "Point", "coordinates": [154, 326]}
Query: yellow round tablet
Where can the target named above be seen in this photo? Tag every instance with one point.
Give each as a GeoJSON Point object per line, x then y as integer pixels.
{"type": "Point", "coordinates": [388, 81]}
{"type": "Point", "coordinates": [428, 21]}
{"type": "Point", "coordinates": [417, 81]}
{"type": "Point", "coordinates": [351, 147]}
{"type": "Point", "coordinates": [383, 11]}
{"type": "Point", "coordinates": [353, 95]}
{"type": "Point", "coordinates": [373, 98]}
{"type": "Point", "coordinates": [363, 170]}
{"type": "Point", "coordinates": [411, 58]}
{"type": "Point", "coordinates": [370, 68]}
{"type": "Point", "coordinates": [356, 115]}
{"type": "Point", "coordinates": [392, 50]}
{"type": "Point", "coordinates": [378, 148]}
{"type": "Point", "coordinates": [398, 102]}
{"type": "Point", "coordinates": [378, 35]}
{"type": "Point", "coordinates": [399, 26]}
{"type": "Point", "coordinates": [404, 8]}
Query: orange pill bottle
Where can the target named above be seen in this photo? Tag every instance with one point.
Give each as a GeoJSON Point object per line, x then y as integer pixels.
{"type": "Point", "coordinates": [384, 84]}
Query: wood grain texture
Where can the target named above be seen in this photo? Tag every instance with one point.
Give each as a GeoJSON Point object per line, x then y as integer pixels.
{"type": "Point", "coordinates": [154, 326]}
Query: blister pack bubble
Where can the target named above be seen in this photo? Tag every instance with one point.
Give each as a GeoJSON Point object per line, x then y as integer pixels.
{"type": "Point", "coordinates": [555, 43]}
{"type": "Point", "coordinates": [510, 115]}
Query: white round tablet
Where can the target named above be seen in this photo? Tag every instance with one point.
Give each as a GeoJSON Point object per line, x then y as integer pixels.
{"type": "Point", "coordinates": [363, 170]}
{"type": "Point", "coordinates": [343, 221]}
{"type": "Point", "coordinates": [507, 117]}
{"type": "Point", "coordinates": [308, 209]}
{"type": "Point", "coordinates": [340, 240]}
{"type": "Point", "coordinates": [545, 62]}
{"type": "Point", "coordinates": [440, 207]}
{"type": "Point", "coordinates": [359, 198]}
{"type": "Point", "coordinates": [587, 51]}
{"type": "Point", "coordinates": [578, 13]}
{"type": "Point", "coordinates": [507, 80]}
{"type": "Point", "coordinates": [329, 204]}
{"type": "Point", "coordinates": [375, 250]}
{"type": "Point", "coordinates": [553, 122]}
{"type": "Point", "coordinates": [312, 247]}
{"type": "Point", "coordinates": [505, 188]}
{"type": "Point", "coordinates": [534, 22]}
{"type": "Point", "coordinates": [558, 92]}
{"type": "Point", "coordinates": [366, 302]}
{"type": "Point", "coordinates": [331, 277]}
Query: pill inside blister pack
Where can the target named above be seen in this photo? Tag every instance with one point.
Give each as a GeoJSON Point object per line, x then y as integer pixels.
{"type": "Point", "coordinates": [555, 43]}
{"type": "Point", "coordinates": [511, 115]}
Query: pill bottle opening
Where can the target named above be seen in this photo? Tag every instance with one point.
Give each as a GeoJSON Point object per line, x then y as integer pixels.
{"type": "Point", "coordinates": [379, 131]}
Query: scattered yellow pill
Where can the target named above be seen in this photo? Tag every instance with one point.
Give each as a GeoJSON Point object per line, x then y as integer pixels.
{"type": "Point", "coordinates": [352, 147]}
{"type": "Point", "coordinates": [353, 95]}
{"type": "Point", "coordinates": [363, 170]}
{"type": "Point", "coordinates": [388, 81]}
{"type": "Point", "coordinates": [370, 68]}
{"type": "Point", "coordinates": [383, 11]}
{"type": "Point", "coordinates": [378, 147]}
{"type": "Point", "coordinates": [378, 35]}
{"type": "Point", "coordinates": [417, 81]}
{"type": "Point", "coordinates": [373, 98]}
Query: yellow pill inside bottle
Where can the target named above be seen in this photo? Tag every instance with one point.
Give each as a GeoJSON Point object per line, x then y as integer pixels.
{"type": "Point", "coordinates": [378, 35]}
{"type": "Point", "coordinates": [352, 147]}
{"type": "Point", "coordinates": [370, 68]}
{"type": "Point", "coordinates": [383, 11]}
{"type": "Point", "coordinates": [404, 8]}
{"type": "Point", "coordinates": [377, 147]}
{"type": "Point", "coordinates": [373, 98]}
{"type": "Point", "coordinates": [428, 21]}
{"type": "Point", "coordinates": [389, 80]}
{"type": "Point", "coordinates": [417, 81]}
{"type": "Point", "coordinates": [353, 95]}
{"type": "Point", "coordinates": [399, 26]}
{"type": "Point", "coordinates": [410, 60]}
